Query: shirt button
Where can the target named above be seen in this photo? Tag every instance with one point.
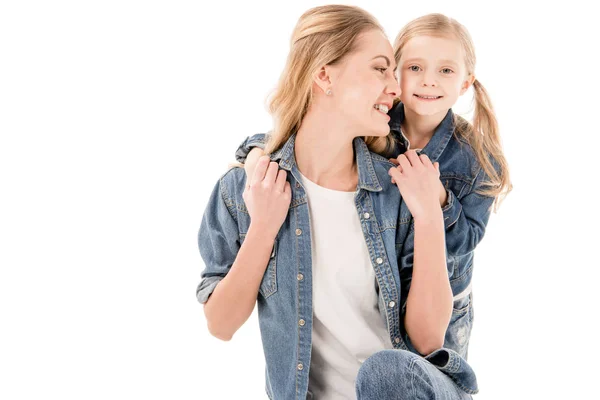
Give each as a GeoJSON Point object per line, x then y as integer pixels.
{"type": "Point", "coordinates": [273, 253]}
{"type": "Point", "coordinates": [301, 322]}
{"type": "Point", "coordinates": [367, 215]}
{"type": "Point", "coordinates": [300, 367]}
{"type": "Point", "coordinates": [397, 340]}
{"type": "Point", "coordinates": [379, 260]}
{"type": "Point", "coordinates": [391, 304]}
{"type": "Point", "coordinates": [300, 277]}
{"type": "Point", "coordinates": [298, 232]}
{"type": "Point", "coordinates": [297, 184]}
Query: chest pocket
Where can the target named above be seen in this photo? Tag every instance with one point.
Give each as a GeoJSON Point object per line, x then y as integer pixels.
{"type": "Point", "coordinates": [268, 285]}
{"type": "Point", "coordinates": [457, 184]}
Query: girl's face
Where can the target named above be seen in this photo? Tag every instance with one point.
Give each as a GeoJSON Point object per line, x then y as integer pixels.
{"type": "Point", "coordinates": [432, 74]}
{"type": "Point", "coordinates": [364, 85]}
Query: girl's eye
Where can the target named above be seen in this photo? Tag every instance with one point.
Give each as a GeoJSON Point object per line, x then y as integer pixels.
{"type": "Point", "coordinates": [414, 68]}
{"type": "Point", "coordinates": [447, 71]}
{"type": "Point", "coordinates": [381, 69]}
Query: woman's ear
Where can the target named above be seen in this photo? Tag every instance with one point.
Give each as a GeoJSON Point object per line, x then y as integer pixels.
{"type": "Point", "coordinates": [323, 78]}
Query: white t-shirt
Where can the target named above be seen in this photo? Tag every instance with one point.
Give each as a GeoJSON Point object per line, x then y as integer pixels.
{"type": "Point", "coordinates": [347, 326]}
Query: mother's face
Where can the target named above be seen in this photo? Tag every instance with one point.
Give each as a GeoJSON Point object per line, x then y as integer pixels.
{"type": "Point", "coordinates": [364, 85]}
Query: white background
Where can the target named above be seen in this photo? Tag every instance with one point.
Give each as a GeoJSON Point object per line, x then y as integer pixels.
{"type": "Point", "coordinates": [118, 117]}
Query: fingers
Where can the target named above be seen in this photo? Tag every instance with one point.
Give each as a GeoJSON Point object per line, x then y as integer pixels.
{"type": "Point", "coordinates": [288, 189]}
{"type": "Point", "coordinates": [280, 183]}
{"type": "Point", "coordinates": [403, 162]}
{"type": "Point", "coordinates": [261, 169]}
{"type": "Point", "coordinates": [271, 174]}
{"type": "Point", "coordinates": [413, 158]}
{"type": "Point", "coordinates": [394, 161]}
{"type": "Point", "coordinates": [425, 160]}
{"type": "Point", "coordinates": [395, 174]}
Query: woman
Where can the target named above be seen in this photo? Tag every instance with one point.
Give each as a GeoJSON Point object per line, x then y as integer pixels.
{"type": "Point", "coordinates": [337, 319]}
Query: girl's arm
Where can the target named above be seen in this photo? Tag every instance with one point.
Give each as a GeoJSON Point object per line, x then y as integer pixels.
{"type": "Point", "coordinates": [429, 301]}
{"type": "Point", "coordinates": [465, 220]}
{"type": "Point", "coordinates": [233, 274]}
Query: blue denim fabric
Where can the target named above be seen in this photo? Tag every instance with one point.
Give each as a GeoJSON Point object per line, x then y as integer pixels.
{"type": "Point", "coordinates": [402, 375]}
{"type": "Point", "coordinates": [465, 215]}
{"type": "Point", "coordinates": [285, 294]}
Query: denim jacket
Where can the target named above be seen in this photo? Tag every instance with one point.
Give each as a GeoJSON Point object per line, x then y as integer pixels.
{"type": "Point", "coordinates": [285, 294]}
{"type": "Point", "coordinates": [466, 213]}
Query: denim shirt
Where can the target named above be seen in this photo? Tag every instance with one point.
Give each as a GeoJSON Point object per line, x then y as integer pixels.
{"type": "Point", "coordinates": [285, 294]}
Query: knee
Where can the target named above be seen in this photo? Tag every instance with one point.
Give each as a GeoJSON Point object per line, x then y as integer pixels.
{"type": "Point", "coordinates": [385, 372]}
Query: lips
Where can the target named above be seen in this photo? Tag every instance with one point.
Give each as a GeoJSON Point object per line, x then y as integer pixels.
{"type": "Point", "coordinates": [427, 97]}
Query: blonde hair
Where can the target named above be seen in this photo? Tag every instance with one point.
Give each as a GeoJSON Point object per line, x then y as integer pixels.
{"type": "Point", "coordinates": [483, 133]}
{"type": "Point", "coordinates": [322, 36]}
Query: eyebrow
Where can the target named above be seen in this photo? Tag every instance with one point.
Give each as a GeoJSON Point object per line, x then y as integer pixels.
{"type": "Point", "coordinates": [441, 61]}
{"type": "Point", "coordinates": [387, 60]}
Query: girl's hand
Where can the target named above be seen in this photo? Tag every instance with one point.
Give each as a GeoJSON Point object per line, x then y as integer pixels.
{"type": "Point", "coordinates": [419, 183]}
{"type": "Point", "coordinates": [442, 190]}
{"type": "Point", "coordinates": [267, 197]}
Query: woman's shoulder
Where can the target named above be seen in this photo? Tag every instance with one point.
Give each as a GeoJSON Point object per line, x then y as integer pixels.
{"type": "Point", "coordinates": [381, 166]}
{"type": "Point", "coordinates": [232, 183]}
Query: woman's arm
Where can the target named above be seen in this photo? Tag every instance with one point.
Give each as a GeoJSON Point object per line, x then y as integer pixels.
{"type": "Point", "coordinates": [465, 220]}
{"type": "Point", "coordinates": [231, 302]}
{"type": "Point", "coordinates": [429, 301]}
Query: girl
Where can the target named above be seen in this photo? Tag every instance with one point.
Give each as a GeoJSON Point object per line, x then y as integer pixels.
{"type": "Point", "coordinates": [436, 65]}
{"type": "Point", "coordinates": [316, 243]}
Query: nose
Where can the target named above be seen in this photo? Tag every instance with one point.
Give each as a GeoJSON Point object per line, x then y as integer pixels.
{"type": "Point", "coordinates": [393, 87]}
{"type": "Point", "coordinates": [429, 79]}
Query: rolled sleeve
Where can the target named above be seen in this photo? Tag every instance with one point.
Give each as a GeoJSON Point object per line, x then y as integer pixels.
{"type": "Point", "coordinates": [258, 140]}
{"type": "Point", "coordinates": [451, 210]}
{"type": "Point", "coordinates": [218, 241]}
{"type": "Point", "coordinates": [206, 287]}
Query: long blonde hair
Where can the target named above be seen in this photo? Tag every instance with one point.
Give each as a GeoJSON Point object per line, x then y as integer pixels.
{"type": "Point", "coordinates": [482, 134]}
{"type": "Point", "coordinates": [322, 36]}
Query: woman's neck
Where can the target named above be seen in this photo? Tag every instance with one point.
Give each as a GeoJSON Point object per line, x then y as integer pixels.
{"type": "Point", "coordinates": [325, 154]}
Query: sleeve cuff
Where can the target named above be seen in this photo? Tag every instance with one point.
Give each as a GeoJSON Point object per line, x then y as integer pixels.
{"type": "Point", "coordinates": [452, 210]}
{"type": "Point", "coordinates": [206, 287]}
{"type": "Point", "coordinates": [247, 145]}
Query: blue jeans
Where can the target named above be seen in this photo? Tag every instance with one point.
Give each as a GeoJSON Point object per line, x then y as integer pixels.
{"type": "Point", "coordinates": [402, 375]}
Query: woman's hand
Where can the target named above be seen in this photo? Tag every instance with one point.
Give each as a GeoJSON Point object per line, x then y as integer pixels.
{"type": "Point", "coordinates": [251, 161]}
{"type": "Point", "coordinates": [267, 197]}
{"type": "Point", "coordinates": [419, 183]}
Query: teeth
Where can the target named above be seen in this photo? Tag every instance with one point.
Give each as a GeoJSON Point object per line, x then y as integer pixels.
{"type": "Point", "coordinates": [428, 97]}
{"type": "Point", "coordinates": [381, 107]}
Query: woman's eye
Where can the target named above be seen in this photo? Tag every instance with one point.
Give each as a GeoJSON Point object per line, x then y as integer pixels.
{"type": "Point", "coordinates": [447, 71]}
{"type": "Point", "coordinates": [414, 68]}
{"type": "Point", "coordinates": [381, 69]}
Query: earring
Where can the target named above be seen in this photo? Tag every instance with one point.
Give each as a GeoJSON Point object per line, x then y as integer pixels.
{"type": "Point", "coordinates": [328, 92]}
